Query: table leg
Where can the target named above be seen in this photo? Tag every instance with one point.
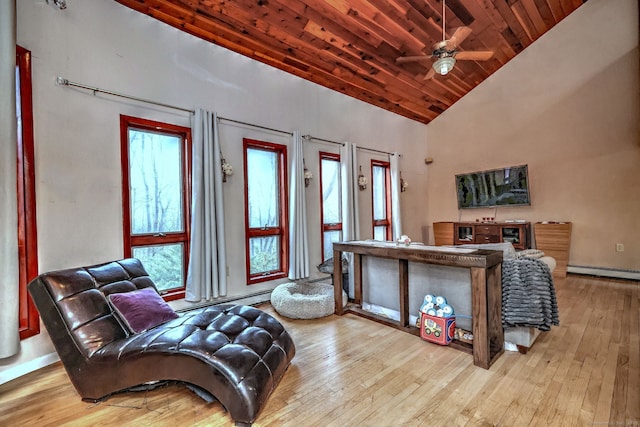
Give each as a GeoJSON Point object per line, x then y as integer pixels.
{"type": "Point", "coordinates": [481, 356]}
{"type": "Point", "coordinates": [403, 279]}
{"type": "Point", "coordinates": [337, 281]}
{"type": "Point", "coordinates": [357, 278]}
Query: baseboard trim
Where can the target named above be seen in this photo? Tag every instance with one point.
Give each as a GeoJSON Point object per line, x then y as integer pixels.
{"type": "Point", "coordinates": [28, 367]}
{"type": "Point", "coordinates": [605, 272]}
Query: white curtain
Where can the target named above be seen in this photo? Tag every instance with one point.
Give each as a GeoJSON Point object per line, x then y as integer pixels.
{"type": "Point", "coordinates": [396, 214]}
{"type": "Point", "coordinates": [206, 278]}
{"type": "Point", "coordinates": [298, 235]}
{"type": "Point", "coordinates": [9, 338]}
{"type": "Point", "coordinates": [350, 212]}
{"type": "Point", "coordinates": [349, 174]}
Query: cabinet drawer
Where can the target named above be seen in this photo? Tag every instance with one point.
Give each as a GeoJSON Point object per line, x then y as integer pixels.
{"type": "Point", "coordinates": [485, 238]}
{"type": "Point", "coordinates": [487, 230]}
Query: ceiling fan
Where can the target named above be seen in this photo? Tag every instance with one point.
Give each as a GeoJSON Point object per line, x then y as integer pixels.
{"type": "Point", "coordinates": [446, 52]}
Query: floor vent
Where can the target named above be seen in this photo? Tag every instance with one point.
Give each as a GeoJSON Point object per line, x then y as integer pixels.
{"type": "Point", "coordinates": [605, 272]}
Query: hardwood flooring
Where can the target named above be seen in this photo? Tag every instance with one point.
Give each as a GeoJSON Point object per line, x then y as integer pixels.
{"type": "Point", "coordinates": [352, 371]}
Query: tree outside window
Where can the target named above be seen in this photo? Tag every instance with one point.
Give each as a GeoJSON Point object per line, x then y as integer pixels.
{"type": "Point", "coordinates": [380, 188]}
{"type": "Point", "coordinates": [266, 208]}
{"type": "Point", "coordinates": [156, 170]}
{"type": "Point", "coordinates": [331, 210]}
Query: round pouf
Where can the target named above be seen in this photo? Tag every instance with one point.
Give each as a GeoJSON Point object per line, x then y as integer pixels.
{"type": "Point", "coordinates": [304, 300]}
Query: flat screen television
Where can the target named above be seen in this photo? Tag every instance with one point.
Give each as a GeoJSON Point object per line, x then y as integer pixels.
{"type": "Point", "coordinates": [496, 187]}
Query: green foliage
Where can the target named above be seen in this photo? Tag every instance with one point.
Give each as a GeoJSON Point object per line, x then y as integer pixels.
{"type": "Point", "coordinates": [164, 265]}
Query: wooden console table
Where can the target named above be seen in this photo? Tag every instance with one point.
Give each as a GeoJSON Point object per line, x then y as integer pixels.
{"type": "Point", "coordinates": [486, 289]}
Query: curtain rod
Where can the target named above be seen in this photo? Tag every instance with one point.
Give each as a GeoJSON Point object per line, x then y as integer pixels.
{"type": "Point", "coordinates": [255, 126]}
{"type": "Point", "coordinates": [377, 151]}
{"type": "Point", "coordinates": [64, 82]}
{"type": "Point", "coordinates": [309, 137]}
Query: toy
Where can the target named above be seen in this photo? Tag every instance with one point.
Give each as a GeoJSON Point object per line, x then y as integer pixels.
{"type": "Point", "coordinates": [436, 306]}
{"type": "Point", "coordinates": [439, 330]}
{"type": "Point", "coordinates": [437, 321]}
{"type": "Point", "coordinates": [427, 303]}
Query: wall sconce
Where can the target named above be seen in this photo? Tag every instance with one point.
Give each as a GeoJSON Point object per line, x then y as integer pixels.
{"type": "Point", "coordinates": [362, 181]}
{"type": "Point", "coordinates": [307, 174]}
{"type": "Point", "coordinates": [227, 169]}
{"type": "Point", "coordinates": [403, 184]}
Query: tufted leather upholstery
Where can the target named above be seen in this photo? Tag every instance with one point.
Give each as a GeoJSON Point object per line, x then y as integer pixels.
{"type": "Point", "coordinates": [236, 353]}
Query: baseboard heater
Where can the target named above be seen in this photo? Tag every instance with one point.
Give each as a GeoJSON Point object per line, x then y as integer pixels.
{"type": "Point", "coordinates": [250, 299]}
{"type": "Point", "coordinates": [256, 298]}
{"type": "Point", "coordinates": [605, 272]}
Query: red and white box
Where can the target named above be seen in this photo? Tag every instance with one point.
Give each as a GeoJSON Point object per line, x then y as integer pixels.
{"type": "Point", "coordinates": [439, 330]}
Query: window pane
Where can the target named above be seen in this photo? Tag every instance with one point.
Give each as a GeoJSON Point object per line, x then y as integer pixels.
{"type": "Point", "coordinates": [155, 176]}
{"type": "Point", "coordinates": [163, 263]}
{"type": "Point", "coordinates": [379, 193]}
{"type": "Point", "coordinates": [329, 238]}
{"type": "Point", "coordinates": [262, 188]}
{"type": "Point", "coordinates": [264, 254]}
{"type": "Point", "coordinates": [331, 192]}
{"type": "Point", "coordinates": [380, 232]}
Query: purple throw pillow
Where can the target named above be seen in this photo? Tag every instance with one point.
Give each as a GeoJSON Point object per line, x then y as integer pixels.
{"type": "Point", "coordinates": [142, 309]}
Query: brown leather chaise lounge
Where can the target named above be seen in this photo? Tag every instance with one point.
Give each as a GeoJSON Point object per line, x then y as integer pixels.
{"type": "Point", "coordinates": [237, 354]}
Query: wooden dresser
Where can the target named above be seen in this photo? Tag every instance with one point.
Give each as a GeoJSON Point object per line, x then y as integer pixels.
{"type": "Point", "coordinates": [443, 233]}
{"type": "Point", "coordinates": [516, 233]}
{"type": "Point", "coordinates": [554, 239]}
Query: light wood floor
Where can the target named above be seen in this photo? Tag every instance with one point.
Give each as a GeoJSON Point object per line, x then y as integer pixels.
{"type": "Point", "coordinates": [351, 371]}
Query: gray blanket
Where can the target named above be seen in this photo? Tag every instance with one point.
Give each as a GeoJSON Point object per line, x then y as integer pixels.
{"type": "Point", "coordinates": [528, 295]}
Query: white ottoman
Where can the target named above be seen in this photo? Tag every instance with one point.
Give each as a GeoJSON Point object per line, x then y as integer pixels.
{"type": "Point", "coordinates": [304, 300]}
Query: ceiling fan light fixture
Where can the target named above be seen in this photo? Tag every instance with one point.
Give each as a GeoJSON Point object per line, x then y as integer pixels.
{"type": "Point", "coordinates": [444, 65]}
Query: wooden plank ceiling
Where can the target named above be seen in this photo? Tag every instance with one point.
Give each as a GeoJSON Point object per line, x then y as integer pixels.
{"type": "Point", "coordinates": [351, 46]}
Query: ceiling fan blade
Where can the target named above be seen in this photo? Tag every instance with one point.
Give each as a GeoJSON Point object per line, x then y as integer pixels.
{"type": "Point", "coordinates": [404, 59]}
{"type": "Point", "coordinates": [430, 74]}
{"type": "Point", "coordinates": [474, 55]}
{"type": "Point", "coordinates": [458, 36]}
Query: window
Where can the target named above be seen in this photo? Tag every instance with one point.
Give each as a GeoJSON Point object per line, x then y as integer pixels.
{"type": "Point", "coordinates": [380, 188]}
{"type": "Point", "coordinates": [156, 192]}
{"type": "Point", "coordinates": [265, 210]}
{"type": "Point", "coordinates": [331, 203]}
{"type": "Point", "coordinates": [27, 239]}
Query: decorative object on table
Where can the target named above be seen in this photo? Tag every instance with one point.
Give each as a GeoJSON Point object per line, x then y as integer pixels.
{"type": "Point", "coordinates": [227, 169]}
{"type": "Point", "coordinates": [403, 184]}
{"type": "Point", "coordinates": [437, 320]}
{"type": "Point", "coordinates": [403, 240]}
{"type": "Point", "coordinates": [362, 180]}
{"type": "Point", "coordinates": [307, 174]}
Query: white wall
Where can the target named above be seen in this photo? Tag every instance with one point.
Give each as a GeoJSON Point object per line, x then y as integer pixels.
{"type": "Point", "coordinates": [569, 107]}
{"type": "Point", "coordinates": [104, 44]}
